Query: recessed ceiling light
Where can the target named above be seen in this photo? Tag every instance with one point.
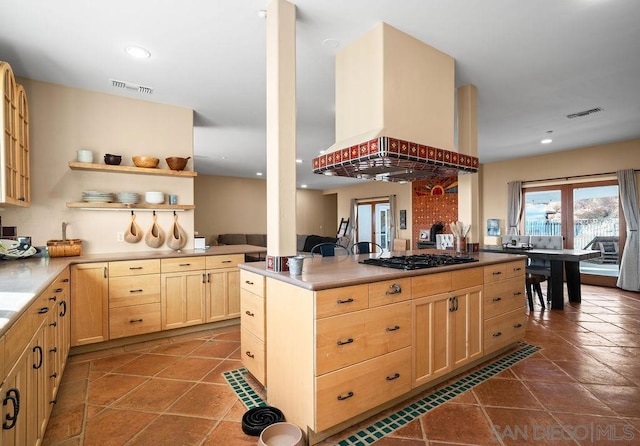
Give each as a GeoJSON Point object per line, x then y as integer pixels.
{"type": "Point", "coordinates": [331, 43]}
{"type": "Point", "coordinates": [262, 13]}
{"type": "Point", "coordinates": [138, 52]}
{"type": "Point", "coordinates": [259, 174]}
{"type": "Point", "coordinates": [546, 141]}
{"type": "Point", "coordinates": [304, 186]}
{"type": "Point", "coordinates": [322, 152]}
{"type": "Point", "coordinates": [299, 161]}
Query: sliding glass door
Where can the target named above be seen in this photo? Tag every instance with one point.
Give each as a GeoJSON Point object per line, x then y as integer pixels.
{"type": "Point", "coordinates": [588, 215]}
{"type": "Point", "coordinates": [374, 223]}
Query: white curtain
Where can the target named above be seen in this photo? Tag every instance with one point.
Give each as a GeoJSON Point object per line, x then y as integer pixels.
{"type": "Point", "coordinates": [514, 207]}
{"type": "Point", "coordinates": [393, 231]}
{"type": "Point", "coordinates": [353, 222]}
{"type": "Point", "coordinates": [629, 277]}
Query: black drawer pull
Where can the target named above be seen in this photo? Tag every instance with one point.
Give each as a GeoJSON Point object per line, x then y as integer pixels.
{"type": "Point", "coordinates": [395, 289]}
{"type": "Point", "coordinates": [249, 313]}
{"type": "Point", "coordinates": [53, 298]}
{"type": "Point", "coordinates": [347, 396]}
{"type": "Point", "coordinates": [63, 304]}
{"type": "Point", "coordinates": [53, 324]}
{"type": "Point", "coordinates": [43, 310]}
{"type": "Point", "coordinates": [248, 282]}
{"type": "Point", "coordinates": [53, 350]}
{"type": "Point", "coordinates": [135, 267]}
{"type": "Point", "coordinates": [53, 376]}
{"type": "Point", "coordinates": [65, 280]}
{"type": "Point", "coordinates": [136, 291]}
{"type": "Point", "coordinates": [38, 349]}
{"type": "Point", "coordinates": [517, 325]}
{"type": "Point", "coordinates": [58, 290]}
{"type": "Point", "coordinates": [133, 321]}
{"type": "Point", "coordinates": [496, 273]}
{"type": "Point", "coordinates": [346, 301]}
{"type": "Point", "coordinates": [249, 354]}
{"type": "Point", "coordinates": [184, 264]}
{"type": "Point", "coordinates": [517, 293]}
{"type": "Point", "coordinates": [394, 328]}
{"type": "Point", "coordinates": [496, 299]}
{"type": "Point", "coordinates": [517, 268]}
{"type": "Point", "coordinates": [496, 334]}
{"type": "Point", "coordinates": [13, 395]}
{"type": "Point", "coordinates": [348, 341]}
{"type": "Point", "coordinates": [226, 261]}
{"type": "Point", "coordinates": [392, 377]}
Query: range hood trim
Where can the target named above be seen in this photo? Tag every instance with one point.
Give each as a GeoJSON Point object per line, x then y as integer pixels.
{"type": "Point", "coordinates": [403, 160]}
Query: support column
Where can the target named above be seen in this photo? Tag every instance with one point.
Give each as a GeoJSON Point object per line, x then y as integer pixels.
{"type": "Point", "coordinates": [281, 134]}
{"type": "Point", "coordinates": [469, 185]}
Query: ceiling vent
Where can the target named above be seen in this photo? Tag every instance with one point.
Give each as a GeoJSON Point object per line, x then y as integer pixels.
{"type": "Point", "coordinates": [131, 87]}
{"type": "Point", "coordinates": [580, 114]}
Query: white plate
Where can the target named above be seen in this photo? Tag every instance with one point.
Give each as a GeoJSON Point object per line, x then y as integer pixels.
{"type": "Point", "coordinates": [12, 249]}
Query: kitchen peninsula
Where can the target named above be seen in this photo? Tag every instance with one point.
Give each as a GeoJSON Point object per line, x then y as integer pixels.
{"type": "Point", "coordinates": [345, 340]}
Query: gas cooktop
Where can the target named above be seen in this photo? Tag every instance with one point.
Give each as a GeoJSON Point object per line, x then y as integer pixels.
{"type": "Point", "coordinates": [419, 261]}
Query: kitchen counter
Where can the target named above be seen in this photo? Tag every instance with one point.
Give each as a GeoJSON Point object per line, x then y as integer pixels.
{"type": "Point", "coordinates": [320, 273]}
{"type": "Point", "coordinates": [22, 280]}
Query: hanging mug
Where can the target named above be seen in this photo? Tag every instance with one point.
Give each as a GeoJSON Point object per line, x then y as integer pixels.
{"type": "Point", "coordinates": [177, 237]}
{"type": "Point", "coordinates": [155, 234]}
{"type": "Point", "coordinates": [133, 234]}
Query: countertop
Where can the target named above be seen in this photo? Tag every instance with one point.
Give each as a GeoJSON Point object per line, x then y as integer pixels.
{"type": "Point", "coordinates": [22, 280]}
{"type": "Point", "coordinates": [320, 273]}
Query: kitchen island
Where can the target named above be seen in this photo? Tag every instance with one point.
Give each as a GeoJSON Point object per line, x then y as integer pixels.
{"type": "Point", "coordinates": [345, 340]}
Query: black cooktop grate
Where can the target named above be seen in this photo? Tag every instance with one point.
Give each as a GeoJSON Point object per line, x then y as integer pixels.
{"type": "Point", "coordinates": [419, 261]}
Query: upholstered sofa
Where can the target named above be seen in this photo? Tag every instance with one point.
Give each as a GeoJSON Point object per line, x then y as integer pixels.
{"type": "Point", "coordinates": [304, 242]}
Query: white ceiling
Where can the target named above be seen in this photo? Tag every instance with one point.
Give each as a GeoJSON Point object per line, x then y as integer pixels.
{"type": "Point", "coordinates": [533, 63]}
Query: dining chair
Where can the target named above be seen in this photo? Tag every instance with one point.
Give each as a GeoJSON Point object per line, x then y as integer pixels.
{"type": "Point", "coordinates": [540, 267]}
{"type": "Point", "coordinates": [366, 248]}
{"type": "Point", "coordinates": [328, 249]}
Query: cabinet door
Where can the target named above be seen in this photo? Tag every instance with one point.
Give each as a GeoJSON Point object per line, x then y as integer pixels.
{"type": "Point", "coordinates": [183, 299]}
{"type": "Point", "coordinates": [431, 338]}
{"type": "Point", "coordinates": [466, 326]}
{"type": "Point", "coordinates": [223, 294]}
{"type": "Point", "coordinates": [89, 303]}
{"type": "Point", "coordinates": [14, 394]}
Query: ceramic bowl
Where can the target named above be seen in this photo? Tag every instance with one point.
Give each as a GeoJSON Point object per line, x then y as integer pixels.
{"type": "Point", "coordinates": [281, 434]}
{"type": "Point", "coordinates": [177, 163]}
{"type": "Point", "coordinates": [154, 197]}
{"type": "Point", "coordinates": [113, 160]}
{"type": "Point", "coordinates": [145, 161]}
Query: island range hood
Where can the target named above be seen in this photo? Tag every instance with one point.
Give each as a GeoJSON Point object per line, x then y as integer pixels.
{"type": "Point", "coordinates": [395, 111]}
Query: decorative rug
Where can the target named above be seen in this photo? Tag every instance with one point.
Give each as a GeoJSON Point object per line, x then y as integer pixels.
{"type": "Point", "coordinates": [378, 429]}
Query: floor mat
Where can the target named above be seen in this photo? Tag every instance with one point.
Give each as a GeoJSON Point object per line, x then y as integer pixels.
{"type": "Point", "coordinates": [377, 430]}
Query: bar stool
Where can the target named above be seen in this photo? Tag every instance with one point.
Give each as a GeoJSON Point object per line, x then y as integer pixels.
{"type": "Point", "coordinates": [533, 283]}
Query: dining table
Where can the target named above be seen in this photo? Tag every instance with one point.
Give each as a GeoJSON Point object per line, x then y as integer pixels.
{"type": "Point", "coordinates": [568, 258]}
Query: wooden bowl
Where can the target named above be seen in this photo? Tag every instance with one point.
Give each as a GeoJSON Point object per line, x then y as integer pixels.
{"type": "Point", "coordinates": [177, 163]}
{"type": "Point", "coordinates": [145, 161]}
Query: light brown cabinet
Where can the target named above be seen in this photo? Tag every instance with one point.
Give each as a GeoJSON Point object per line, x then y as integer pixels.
{"type": "Point", "coordinates": [183, 292]}
{"type": "Point", "coordinates": [15, 184]}
{"type": "Point", "coordinates": [223, 287]}
{"type": "Point", "coordinates": [253, 325]}
{"type": "Point", "coordinates": [89, 303]}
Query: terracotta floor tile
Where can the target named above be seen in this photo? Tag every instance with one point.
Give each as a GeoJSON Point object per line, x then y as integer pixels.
{"type": "Point", "coordinates": [613, 356]}
{"type": "Point", "coordinates": [602, 327]}
{"type": "Point", "coordinates": [215, 376]}
{"type": "Point", "coordinates": [600, 431]}
{"type": "Point", "coordinates": [564, 352]}
{"type": "Point", "coordinates": [178, 347]}
{"type": "Point", "coordinates": [216, 349]}
{"type": "Point", "coordinates": [188, 368]}
{"type": "Point", "coordinates": [229, 433]}
{"type": "Point", "coordinates": [236, 412]}
{"type": "Point", "coordinates": [458, 422]}
{"type": "Point", "coordinates": [205, 400]}
{"type": "Point", "coordinates": [623, 340]}
{"type": "Point", "coordinates": [588, 338]}
{"type": "Point", "coordinates": [527, 427]}
{"type": "Point", "coordinates": [624, 400]}
{"type": "Point", "coordinates": [71, 393]}
{"type": "Point", "coordinates": [75, 371]}
{"type": "Point", "coordinates": [146, 365]}
{"type": "Point", "coordinates": [115, 427]}
{"type": "Point", "coordinates": [171, 430]}
{"type": "Point", "coordinates": [568, 397]}
{"type": "Point", "coordinates": [110, 363]}
{"type": "Point", "coordinates": [393, 441]}
{"type": "Point", "coordinates": [231, 335]}
{"type": "Point", "coordinates": [412, 430]}
{"type": "Point", "coordinates": [64, 423]}
{"type": "Point", "coordinates": [532, 369]}
{"type": "Point", "coordinates": [155, 395]}
{"type": "Point", "coordinates": [111, 387]}
{"type": "Point", "coordinates": [505, 393]}
{"type": "Point", "coordinates": [592, 372]}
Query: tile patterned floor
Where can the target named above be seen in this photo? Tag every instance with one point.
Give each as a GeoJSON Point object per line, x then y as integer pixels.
{"type": "Point", "coordinates": [581, 388]}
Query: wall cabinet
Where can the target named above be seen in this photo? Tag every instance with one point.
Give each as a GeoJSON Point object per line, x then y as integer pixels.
{"type": "Point", "coordinates": [89, 303]}
{"type": "Point", "coordinates": [15, 182]}
{"type": "Point", "coordinates": [33, 366]}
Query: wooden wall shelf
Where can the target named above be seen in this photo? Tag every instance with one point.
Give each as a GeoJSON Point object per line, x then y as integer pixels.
{"type": "Point", "coordinates": [131, 169]}
{"type": "Point", "coordinates": [130, 207]}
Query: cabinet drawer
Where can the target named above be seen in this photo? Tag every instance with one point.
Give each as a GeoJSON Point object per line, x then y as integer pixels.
{"type": "Point", "coordinates": [466, 278]}
{"type": "Point", "coordinates": [134, 320]}
{"type": "Point", "coordinates": [350, 391]}
{"type": "Point", "coordinates": [502, 297]}
{"type": "Point", "coordinates": [57, 291]}
{"type": "Point", "coordinates": [134, 290]}
{"type": "Point", "coordinates": [430, 284]}
{"type": "Point", "coordinates": [504, 329]}
{"type": "Point", "coordinates": [182, 264]}
{"type": "Point", "coordinates": [341, 300]}
{"type": "Point", "coordinates": [253, 355]}
{"type": "Point", "coordinates": [515, 269]}
{"type": "Point", "coordinates": [252, 313]}
{"type": "Point", "coordinates": [389, 292]}
{"type": "Point", "coordinates": [252, 282]}
{"type": "Point", "coordinates": [134, 268]}
{"type": "Point", "coordinates": [495, 273]}
{"type": "Point", "coordinates": [225, 261]}
{"type": "Point", "coordinates": [353, 337]}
